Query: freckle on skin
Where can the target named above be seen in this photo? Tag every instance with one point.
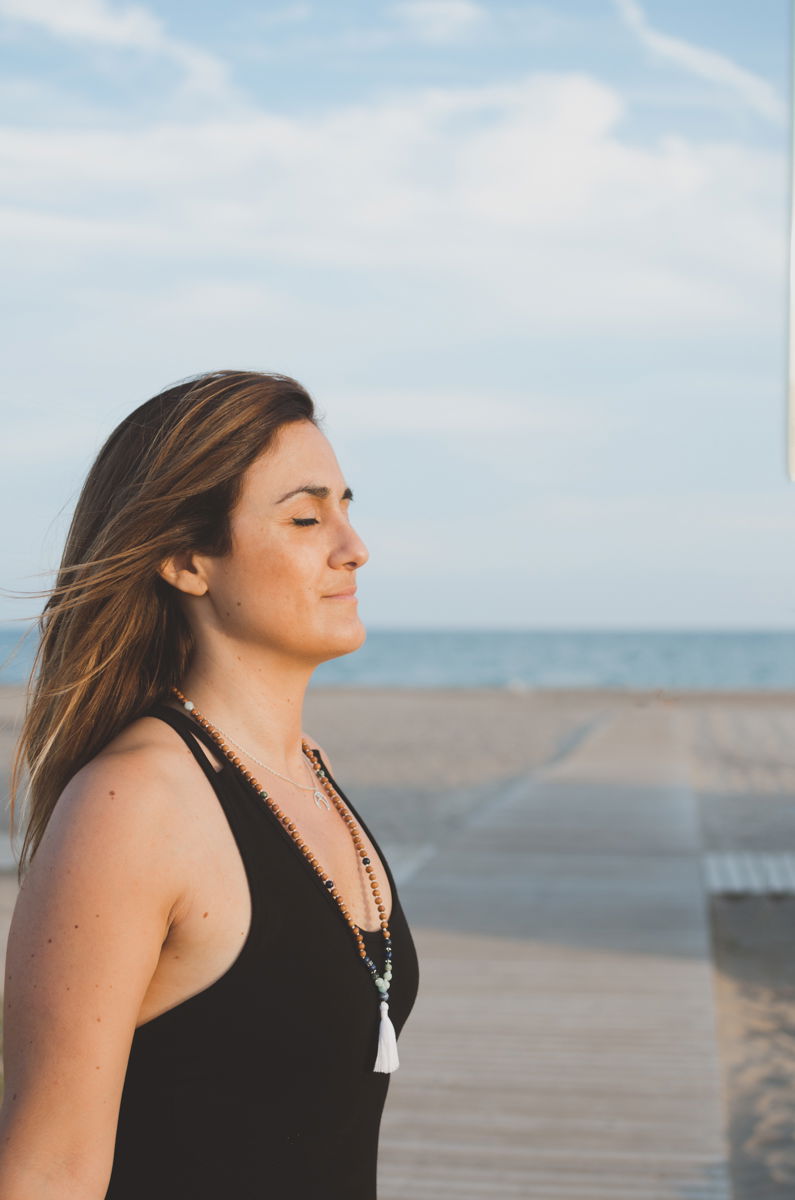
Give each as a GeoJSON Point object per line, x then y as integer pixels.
{"type": "Point", "coordinates": [204, 914]}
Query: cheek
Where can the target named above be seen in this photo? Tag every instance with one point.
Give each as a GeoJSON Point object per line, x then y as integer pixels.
{"type": "Point", "coordinates": [276, 578]}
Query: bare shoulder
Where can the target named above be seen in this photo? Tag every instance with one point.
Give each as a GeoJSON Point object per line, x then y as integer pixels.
{"type": "Point", "coordinates": [126, 801]}
{"type": "Point", "coordinates": [114, 842]}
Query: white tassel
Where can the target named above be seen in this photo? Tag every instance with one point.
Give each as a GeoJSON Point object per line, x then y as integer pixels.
{"type": "Point", "coordinates": [387, 1058]}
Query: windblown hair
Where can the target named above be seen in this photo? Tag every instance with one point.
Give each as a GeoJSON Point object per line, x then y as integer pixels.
{"type": "Point", "coordinates": [112, 635]}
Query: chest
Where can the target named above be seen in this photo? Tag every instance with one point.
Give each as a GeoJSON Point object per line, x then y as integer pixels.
{"type": "Point", "coordinates": [210, 932]}
{"type": "Point", "coordinates": [347, 856]}
{"type": "Point", "coordinates": [335, 839]}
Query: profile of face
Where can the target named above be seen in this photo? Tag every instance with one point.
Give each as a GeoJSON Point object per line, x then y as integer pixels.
{"type": "Point", "coordinates": [292, 550]}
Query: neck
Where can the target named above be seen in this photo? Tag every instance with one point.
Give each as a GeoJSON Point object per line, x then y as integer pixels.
{"type": "Point", "coordinates": [255, 698]}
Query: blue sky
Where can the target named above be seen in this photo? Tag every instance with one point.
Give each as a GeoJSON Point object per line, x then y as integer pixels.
{"type": "Point", "coordinates": [530, 260]}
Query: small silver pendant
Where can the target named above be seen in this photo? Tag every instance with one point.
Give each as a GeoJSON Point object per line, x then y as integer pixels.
{"type": "Point", "coordinates": [320, 799]}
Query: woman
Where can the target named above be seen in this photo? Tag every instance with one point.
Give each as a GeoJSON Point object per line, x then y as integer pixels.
{"type": "Point", "coordinates": [208, 962]}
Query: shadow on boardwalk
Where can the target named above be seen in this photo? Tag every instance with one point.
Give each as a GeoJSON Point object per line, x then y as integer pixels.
{"type": "Point", "coordinates": [566, 1041]}
{"type": "Point", "coordinates": [589, 1024]}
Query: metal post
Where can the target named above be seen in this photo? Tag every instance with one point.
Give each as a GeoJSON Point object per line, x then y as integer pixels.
{"type": "Point", "coordinates": [791, 311]}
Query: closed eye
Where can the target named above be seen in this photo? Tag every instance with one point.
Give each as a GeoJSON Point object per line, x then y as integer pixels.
{"type": "Point", "coordinates": [305, 520]}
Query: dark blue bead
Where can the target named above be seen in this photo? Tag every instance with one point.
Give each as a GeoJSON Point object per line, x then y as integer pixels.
{"type": "Point", "coordinates": [329, 883]}
{"type": "Point", "coordinates": [366, 861]}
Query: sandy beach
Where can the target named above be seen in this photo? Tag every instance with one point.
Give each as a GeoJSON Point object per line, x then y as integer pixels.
{"type": "Point", "coordinates": [556, 837]}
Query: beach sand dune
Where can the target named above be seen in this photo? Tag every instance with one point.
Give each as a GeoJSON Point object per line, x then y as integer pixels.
{"type": "Point", "coordinates": [590, 1021]}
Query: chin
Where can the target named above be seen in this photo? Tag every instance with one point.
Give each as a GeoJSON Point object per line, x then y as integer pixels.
{"type": "Point", "coordinates": [344, 641]}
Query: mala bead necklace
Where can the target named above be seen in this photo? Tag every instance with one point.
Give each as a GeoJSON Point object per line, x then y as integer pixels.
{"type": "Point", "coordinates": [387, 1056]}
{"type": "Point", "coordinates": [320, 800]}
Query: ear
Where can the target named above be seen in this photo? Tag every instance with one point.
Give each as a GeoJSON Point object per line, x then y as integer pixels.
{"type": "Point", "coordinates": [184, 571]}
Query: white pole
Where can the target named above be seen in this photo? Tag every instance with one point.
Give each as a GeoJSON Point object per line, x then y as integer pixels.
{"type": "Point", "coordinates": [791, 313]}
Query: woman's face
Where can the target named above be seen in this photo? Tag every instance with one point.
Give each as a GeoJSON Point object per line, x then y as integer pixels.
{"type": "Point", "coordinates": [290, 553]}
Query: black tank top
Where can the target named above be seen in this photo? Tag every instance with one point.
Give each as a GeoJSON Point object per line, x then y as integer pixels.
{"type": "Point", "coordinates": [261, 1086]}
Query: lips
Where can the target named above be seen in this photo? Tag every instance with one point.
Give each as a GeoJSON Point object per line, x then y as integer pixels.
{"type": "Point", "coordinates": [347, 592]}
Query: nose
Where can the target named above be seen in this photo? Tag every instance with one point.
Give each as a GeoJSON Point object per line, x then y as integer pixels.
{"type": "Point", "coordinates": [352, 550]}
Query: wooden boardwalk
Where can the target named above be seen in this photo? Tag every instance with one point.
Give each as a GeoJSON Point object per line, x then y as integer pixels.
{"type": "Point", "coordinates": [563, 1044]}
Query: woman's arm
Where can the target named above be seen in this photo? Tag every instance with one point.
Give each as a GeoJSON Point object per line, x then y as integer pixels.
{"type": "Point", "coordinates": [85, 938]}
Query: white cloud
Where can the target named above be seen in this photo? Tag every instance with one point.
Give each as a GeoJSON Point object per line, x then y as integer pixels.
{"type": "Point", "coordinates": [519, 206]}
{"type": "Point", "coordinates": [90, 20]}
{"type": "Point", "coordinates": [466, 414]}
{"type": "Point", "coordinates": [290, 14]}
{"type": "Point", "coordinates": [31, 442]}
{"type": "Point", "coordinates": [440, 21]}
{"type": "Point", "coordinates": [132, 28]}
{"type": "Point", "coordinates": [407, 257]}
{"type": "Point", "coordinates": [754, 91]}
{"type": "Point", "coordinates": [691, 531]}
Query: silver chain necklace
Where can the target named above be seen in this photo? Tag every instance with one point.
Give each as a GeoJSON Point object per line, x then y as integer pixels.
{"type": "Point", "coordinates": [320, 799]}
{"type": "Point", "coordinates": [386, 1059]}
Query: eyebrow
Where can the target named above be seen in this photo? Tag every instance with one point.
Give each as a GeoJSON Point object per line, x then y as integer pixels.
{"type": "Point", "coordinates": [315, 489]}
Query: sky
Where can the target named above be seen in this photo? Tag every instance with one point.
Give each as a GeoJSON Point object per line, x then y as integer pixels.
{"type": "Point", "coordinates": [530, 260]}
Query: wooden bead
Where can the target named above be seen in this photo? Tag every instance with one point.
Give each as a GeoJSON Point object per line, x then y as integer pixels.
{"type": "Point", "coordinates": [290, 825]}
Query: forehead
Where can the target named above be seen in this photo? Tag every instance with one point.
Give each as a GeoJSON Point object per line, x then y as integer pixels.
{"type": "Point", "coordinates": [299, 451]}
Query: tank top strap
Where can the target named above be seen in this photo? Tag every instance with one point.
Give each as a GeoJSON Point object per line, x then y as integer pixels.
{"type": "Point", "coordinates": [241, 817]}
{"type": "Point", "coordinates": [189, 730]}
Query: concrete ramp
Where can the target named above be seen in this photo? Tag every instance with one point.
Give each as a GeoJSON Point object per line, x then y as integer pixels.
{"type": "Point", "coordinates": [563, 1045]}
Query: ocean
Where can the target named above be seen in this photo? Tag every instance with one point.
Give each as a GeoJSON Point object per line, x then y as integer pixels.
{"type": "Point", "coordinates": [534, 658]}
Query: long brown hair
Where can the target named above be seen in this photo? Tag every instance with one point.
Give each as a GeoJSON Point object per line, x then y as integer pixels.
{"type": "Point", "coordinates": [112, 634]}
